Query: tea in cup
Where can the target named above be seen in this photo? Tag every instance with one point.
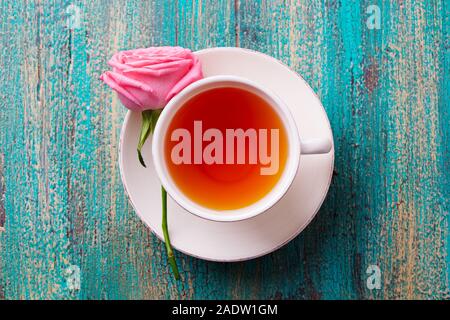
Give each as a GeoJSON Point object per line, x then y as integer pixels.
{"type": "Point", "coordinates": [227, 149]}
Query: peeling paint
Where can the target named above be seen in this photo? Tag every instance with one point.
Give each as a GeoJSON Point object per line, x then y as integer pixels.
{"type": "Point", "coordinates": [385, 92]}
{"type": "Point", "coordinates": [2, 195]}
{"type": "Point", "coordinates": [371, 75]}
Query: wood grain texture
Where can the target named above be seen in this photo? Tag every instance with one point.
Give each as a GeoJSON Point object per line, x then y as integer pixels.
{"type": "Point", "coordinates": [386, 92]}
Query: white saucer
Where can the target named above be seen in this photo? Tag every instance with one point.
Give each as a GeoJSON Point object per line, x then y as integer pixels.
{"type": "Point", "coordinates": [242, 240]}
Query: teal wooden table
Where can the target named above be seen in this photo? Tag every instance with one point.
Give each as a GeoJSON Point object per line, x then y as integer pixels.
{"type": "Point", "coordinates": [381, 69]}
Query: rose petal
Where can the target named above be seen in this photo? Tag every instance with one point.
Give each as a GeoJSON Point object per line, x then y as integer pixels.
{"type": "Point", "coordinates": [123, 80]}
{"type": "Point", "coordinates": [147, 78]}
{"type": "Point", "coordinates": [108, 78]}
{"type": "Point", "coordinates": [179, 67]}
{"type": "Point", "coordinates": [194, 74]}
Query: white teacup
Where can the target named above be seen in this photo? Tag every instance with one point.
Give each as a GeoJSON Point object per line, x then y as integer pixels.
{"type": "Point", "coordinates": [296, 147]}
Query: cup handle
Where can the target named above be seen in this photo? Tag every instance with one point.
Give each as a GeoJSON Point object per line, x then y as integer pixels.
{"type": "Point", "coordinates": [316, 146]}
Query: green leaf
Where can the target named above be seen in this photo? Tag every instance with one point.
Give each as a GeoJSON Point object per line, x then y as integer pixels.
{"type": "Point", "coordinates": [149, 119]}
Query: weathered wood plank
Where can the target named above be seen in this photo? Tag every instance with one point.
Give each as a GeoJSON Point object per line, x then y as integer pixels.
{"type": "Point", "coordinates": [386, 91]}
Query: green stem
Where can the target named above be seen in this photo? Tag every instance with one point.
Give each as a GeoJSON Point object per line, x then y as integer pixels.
{"type": "Point", "coordinates": [170, 255]}
{"type": "Point", "coordinates": [149, 119]}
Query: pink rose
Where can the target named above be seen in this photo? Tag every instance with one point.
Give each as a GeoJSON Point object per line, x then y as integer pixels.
{"type": "Point", "coordinates": [148, 78]}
